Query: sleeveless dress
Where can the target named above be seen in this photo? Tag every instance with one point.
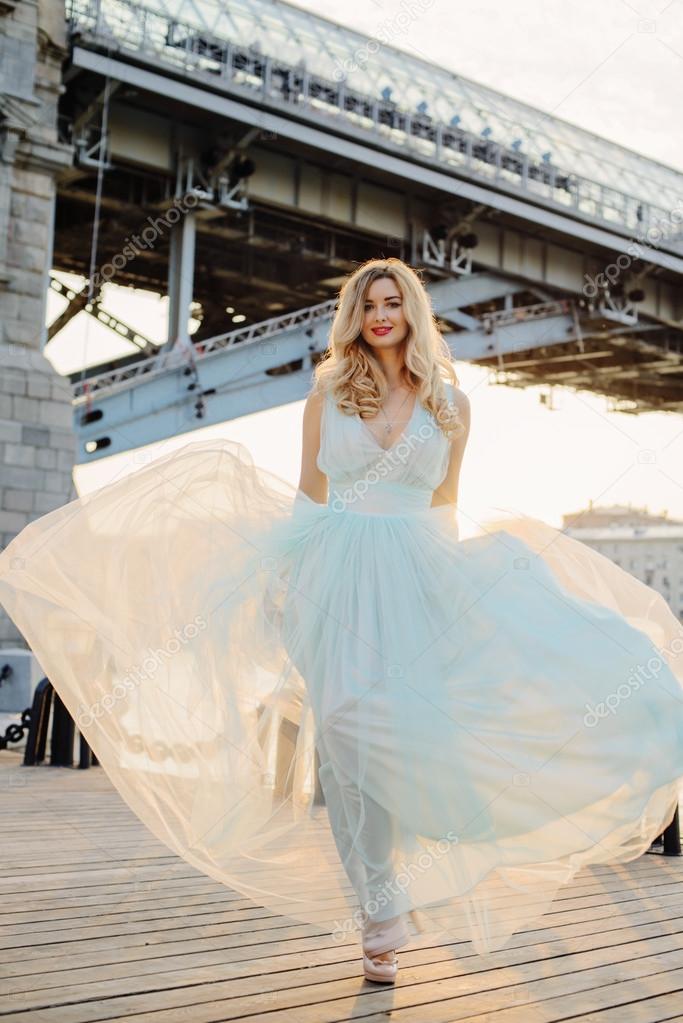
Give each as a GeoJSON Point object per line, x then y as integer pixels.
{"type": "Point", "coordinates": [344, 711]}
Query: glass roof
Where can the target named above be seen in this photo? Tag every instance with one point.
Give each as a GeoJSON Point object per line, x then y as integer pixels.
{"type": "Point", "coordinates": [370, 66]}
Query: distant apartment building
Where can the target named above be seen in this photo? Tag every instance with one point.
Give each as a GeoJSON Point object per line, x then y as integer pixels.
{"type": "Point", "coordinates": [650, 547]}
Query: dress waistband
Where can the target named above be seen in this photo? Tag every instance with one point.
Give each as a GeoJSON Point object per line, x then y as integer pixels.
{"type": "Point", "coordinates": [383, 496]}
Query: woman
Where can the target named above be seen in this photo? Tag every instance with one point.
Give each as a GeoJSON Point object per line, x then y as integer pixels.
{"type": "Point", "coordinates": [325, 699]}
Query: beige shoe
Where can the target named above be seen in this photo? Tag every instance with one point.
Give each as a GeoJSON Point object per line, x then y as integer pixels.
{"type": "Point", "coordinates": [383, 971]}
{"type": "Point", "coordinates": [379, 937]}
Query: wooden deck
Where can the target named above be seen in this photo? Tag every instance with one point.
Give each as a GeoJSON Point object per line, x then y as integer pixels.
{"type": "Point", "coordinates": [101, 922]}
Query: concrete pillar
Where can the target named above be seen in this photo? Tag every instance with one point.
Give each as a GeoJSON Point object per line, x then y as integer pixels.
{"type": "Point", "coordinates": [37, 444]}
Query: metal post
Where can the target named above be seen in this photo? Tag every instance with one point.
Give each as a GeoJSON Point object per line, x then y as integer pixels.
{"type": "Point", "coordinates": [37, 732]}
{"type": "Point", "coordinates": [181, 279]}
{"type": "Point", "coordinates": [672, 837]}
{"type": "Point", "coordinates": [62, 739]}
{"type": "Point", "coordinates": [84, 752]}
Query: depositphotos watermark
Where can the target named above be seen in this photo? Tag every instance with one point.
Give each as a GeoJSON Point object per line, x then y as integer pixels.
{"type": "Point", "coordinates": [395, 455]}
{"type": "Point", "coordinates": [148, 236]}
{"type": "Point", "coordinates": [388, 31]}
{"type": "Point", "coordinates": [655, 234]}
{"type": "Point", "coordinates": [638, 677]}
{"type": "Point", "coordinates": [137, 674]}
{"type": "Point", "coordinates": [399, 883]}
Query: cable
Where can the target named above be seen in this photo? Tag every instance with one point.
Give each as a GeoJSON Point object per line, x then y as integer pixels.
{"type": "Point", "coordinates": [102, 149]}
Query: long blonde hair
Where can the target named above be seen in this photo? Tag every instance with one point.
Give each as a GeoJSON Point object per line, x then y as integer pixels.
{"type": "Point", "coordinates": [351, 371]}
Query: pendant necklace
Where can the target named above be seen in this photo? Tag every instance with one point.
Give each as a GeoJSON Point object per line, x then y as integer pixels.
{"type": "Point", "coordinates": [387, 428]}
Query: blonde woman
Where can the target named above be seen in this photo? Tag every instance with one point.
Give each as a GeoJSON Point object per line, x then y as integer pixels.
{"type": "Point", "coordinates": [323, 698]}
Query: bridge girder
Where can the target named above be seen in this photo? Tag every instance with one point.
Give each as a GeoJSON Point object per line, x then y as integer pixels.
{"type": "Point", "coordinates": [270, 364]}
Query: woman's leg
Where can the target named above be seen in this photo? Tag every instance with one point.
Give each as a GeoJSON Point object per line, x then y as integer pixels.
{"type": "Point", "coordinates": [365, 836]}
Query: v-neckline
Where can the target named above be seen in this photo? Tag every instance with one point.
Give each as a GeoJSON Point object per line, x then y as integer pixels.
{"type": "Point", "coordinates": [401, 436]}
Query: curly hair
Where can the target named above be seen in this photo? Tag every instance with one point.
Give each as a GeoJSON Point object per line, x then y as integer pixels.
{"type": "Point", "coordinates": [350, 369]}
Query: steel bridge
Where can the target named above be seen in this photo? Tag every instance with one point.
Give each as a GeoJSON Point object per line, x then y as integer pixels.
{"type": "Point", "coordinates": [243, 158]}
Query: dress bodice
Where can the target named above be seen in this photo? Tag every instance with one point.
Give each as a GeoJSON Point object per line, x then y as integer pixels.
{"type": "Point", "coordinates": [365, 477]}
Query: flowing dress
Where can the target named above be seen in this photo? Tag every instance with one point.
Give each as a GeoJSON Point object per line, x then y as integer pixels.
{"type": "Point", "coordinates": [345, 711]}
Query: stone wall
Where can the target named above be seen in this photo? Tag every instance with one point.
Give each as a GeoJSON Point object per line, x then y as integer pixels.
{"type": "Point", "coordinates": [37, 444]}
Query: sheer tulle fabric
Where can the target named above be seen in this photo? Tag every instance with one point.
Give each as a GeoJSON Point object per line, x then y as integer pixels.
{"type": "Point", "coordinates": [346, 711]}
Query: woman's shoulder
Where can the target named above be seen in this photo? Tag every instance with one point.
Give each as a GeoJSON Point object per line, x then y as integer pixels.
{"type": "Point", "coordinates": [459, 398]}
{"type": "Point", "coordinates": [315, 400]}
{"type": "Point", "coordinates": [456, 394]}
{"type": "Point", "coordinates": [313, 412]}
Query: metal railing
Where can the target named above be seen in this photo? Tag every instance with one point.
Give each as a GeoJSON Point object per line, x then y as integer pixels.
{"type": "Point", "coordinates": [168, 358]}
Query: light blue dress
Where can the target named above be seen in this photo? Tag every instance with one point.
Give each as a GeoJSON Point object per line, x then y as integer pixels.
{"type": "Point", "coordinates": [345, 711]}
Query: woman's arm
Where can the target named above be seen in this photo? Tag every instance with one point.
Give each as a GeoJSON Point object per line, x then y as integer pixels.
{"type": "Point", "coordinates": [447, 492]}
{"type": "Point", "coordinates": [312, 481]}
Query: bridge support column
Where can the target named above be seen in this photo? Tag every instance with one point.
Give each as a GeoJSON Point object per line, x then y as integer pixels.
{"type": "Point", "coordinates": [181, 279]}
{"type": "Point", "coordinates": [37, 443]}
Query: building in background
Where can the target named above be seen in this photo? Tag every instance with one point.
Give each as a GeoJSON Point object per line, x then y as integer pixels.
{"type": "Point", "coordinates": [650, 547]}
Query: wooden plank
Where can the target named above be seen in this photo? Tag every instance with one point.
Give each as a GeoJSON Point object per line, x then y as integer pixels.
{"type": "Point", "coordinates": [228, 928]}
{"type": "Point", "coordinates": [104, 923]}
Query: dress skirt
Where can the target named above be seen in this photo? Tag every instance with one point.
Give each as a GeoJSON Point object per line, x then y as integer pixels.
{"type": "Point", "coordinates": [347, 716]}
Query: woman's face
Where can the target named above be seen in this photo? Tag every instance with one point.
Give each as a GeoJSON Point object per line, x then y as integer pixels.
{"type": "Point", "coordinates": [384, 324]}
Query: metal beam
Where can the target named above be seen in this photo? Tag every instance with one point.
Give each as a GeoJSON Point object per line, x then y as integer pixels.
{"type": "Point", "coordinates": [88, 113]}
{"type": "Point", "coordinates": [449, 295]}
{"type": "Point", "coordinates": [263, 365]}
{"type": "Point", "coordinates": [181, 278]}
{"type": "Point", "coordinates": [514, 337]}
{"type": "Point", "coordinates": [78, 302]}
{"type": "Point", "coordinates": [231, 382]}
{"type": "Point", "coordinates": [355, 152]}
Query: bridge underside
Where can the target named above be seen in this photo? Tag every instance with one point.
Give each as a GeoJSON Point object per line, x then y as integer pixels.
{"type": "Point", "coordinates": [262, 261]}
{"type": "Point", "coordinates": [283, 209]}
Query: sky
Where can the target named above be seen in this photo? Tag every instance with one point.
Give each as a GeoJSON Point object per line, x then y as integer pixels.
{"type": "Point", "coordinates": [615, 69]}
